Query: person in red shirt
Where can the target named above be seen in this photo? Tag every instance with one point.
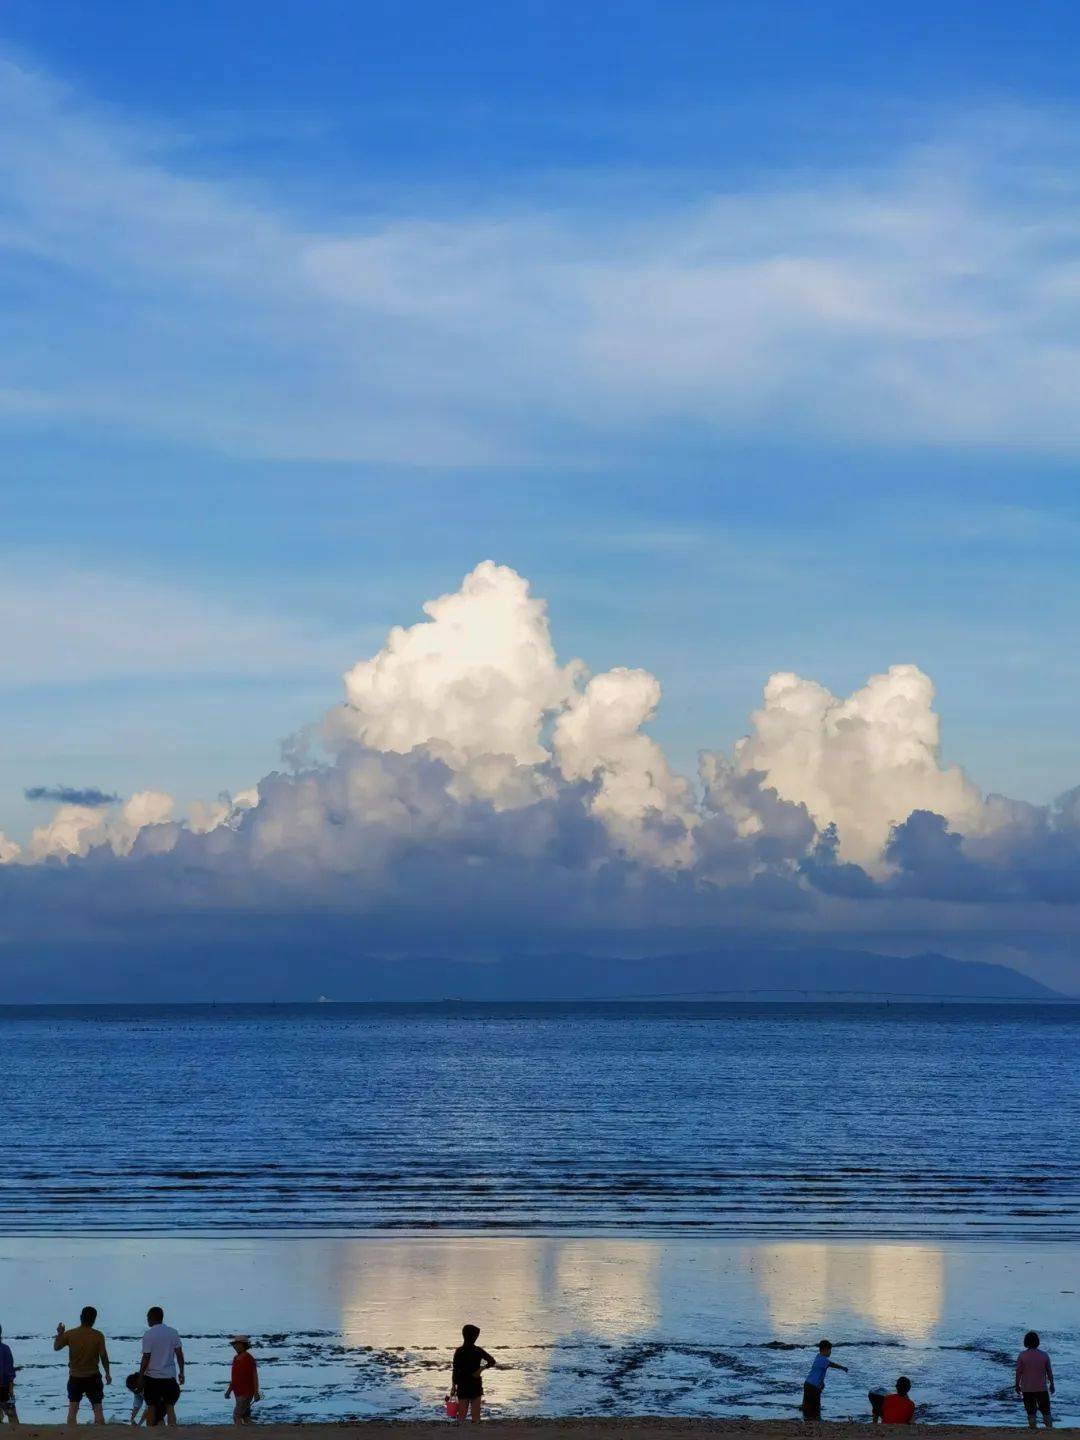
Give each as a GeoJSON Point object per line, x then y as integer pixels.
{"type": "Point", "coordinates": [244, 1383]}
{"type": "Point", "coordinates": [895, 1409]}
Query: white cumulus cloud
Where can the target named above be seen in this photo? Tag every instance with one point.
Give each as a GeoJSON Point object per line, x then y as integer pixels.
{"type": "Point", "coordinates": [475, 787]}
{"type": "Point", "coordinates": [647, 808]}
{"type": "Point", "coordinates": [863, 763]}
{"type": "Point", "coordinates": [474, 683]}
{"type": "Point", "coordinates": [74, 830]}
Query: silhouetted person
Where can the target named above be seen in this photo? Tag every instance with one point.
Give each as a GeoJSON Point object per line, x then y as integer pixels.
{"type": "Point", "coordinates": [894, 1409]}
{"type": "Point", "coordinates": [162, 1353]}
{"type": "Point", "coordinates": [1035, 1380]}
{"type": "Point", "coordinates": [7, 1384]}
{"type": "Point", "coordinates": [87, 1356]}
{"type": "Point", "coordinates": [470, 1362]}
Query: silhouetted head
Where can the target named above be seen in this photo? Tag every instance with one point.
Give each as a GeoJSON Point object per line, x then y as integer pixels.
{"type": "Point", "coordinates": [470, 1334]}
{"type": "Point", "coordinates": [903, 1385]}
{"type": "Point", "coordinates": [155, 1315]}
{"type": "Point", "coordinates": [824, 1347]}
{"type": "Point", "coordinates": [1031, 1340]}
{"type": "Point", "coordinates": [87, 1315]}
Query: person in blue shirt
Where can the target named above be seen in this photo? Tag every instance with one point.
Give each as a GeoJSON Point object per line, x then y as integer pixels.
{"type": "Point", "coordinates": [815, 1381]}
{"type": "Point", "coordinates": [7, 1384]}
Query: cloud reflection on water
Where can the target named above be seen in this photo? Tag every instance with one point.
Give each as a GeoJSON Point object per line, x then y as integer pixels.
{"type": "Point", "coordinates": [899, 1289]}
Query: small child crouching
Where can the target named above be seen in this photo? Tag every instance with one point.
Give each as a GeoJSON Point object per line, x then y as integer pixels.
{"type": "Point", "coordinates": [138, 1412]}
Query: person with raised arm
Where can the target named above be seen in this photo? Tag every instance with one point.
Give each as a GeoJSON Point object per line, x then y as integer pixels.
{"type": "Point", "coordinates": [815, 1380]}
{"type": "Point", "coordinates": [87, 1357]}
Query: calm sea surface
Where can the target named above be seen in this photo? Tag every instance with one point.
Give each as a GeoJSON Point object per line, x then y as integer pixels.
{"type": "Point", "coordinates": [913, 1123]}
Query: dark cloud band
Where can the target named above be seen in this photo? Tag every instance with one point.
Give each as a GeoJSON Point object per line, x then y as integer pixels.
{"type": "Point", "coordinates": [88, 795]}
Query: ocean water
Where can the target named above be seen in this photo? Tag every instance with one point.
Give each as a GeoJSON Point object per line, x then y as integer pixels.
{"type": "Point", "coordinates": [903, 1122]}
{"type": "Point", "coordinates": [647, 1209]}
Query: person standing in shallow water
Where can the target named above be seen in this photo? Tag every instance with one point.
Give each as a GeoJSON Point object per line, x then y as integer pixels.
{"type": "Point", "coordinates": [87, 1357]}
{"type": "Point", "coordinates": [470, 1362]}
{"type": "Point", "coordinates": [7, 1384]}
{"type": "Point", "coordinates": [815, 1381]}
{"type": "Point", "coordinates": [162, 1353]}
{"type": "Point", "coordinates": [1035, 1380]}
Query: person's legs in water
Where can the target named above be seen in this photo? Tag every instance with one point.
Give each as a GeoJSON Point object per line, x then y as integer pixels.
{"type": "Point", "coordinates": [7, 1405]}
{"type": "Point", "coordinates": [95, 1393]}
{"type": "Point", "coordinates": [468, 1405]}
{"type": "Point", "coordinates": [155, 1406]}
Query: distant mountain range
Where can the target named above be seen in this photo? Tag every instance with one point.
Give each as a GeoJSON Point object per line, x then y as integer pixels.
{"type": "Point", "coordinates": [719, 975]}
{"type": "Point", "coordinates": [280, 967]}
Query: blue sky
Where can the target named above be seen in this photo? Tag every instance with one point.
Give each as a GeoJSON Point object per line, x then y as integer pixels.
{"type": "Point", "coordinates": [749, 333]}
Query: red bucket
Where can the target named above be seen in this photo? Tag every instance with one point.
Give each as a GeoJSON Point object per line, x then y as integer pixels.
{"type": "Point", "coordinates": [453, 1406]}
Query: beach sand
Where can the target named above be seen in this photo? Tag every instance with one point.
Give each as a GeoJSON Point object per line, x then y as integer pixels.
{"type": "Point", "coordinates": [584, 1428]}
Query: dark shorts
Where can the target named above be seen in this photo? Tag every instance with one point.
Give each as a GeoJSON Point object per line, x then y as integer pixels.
{"type": "Point", "coordinates": [811, 1401]}
{"type": "Point", "coordinates": [1037, 1400]}
{"type": "Point", "coordinates": [5, 1396]}
{"type": "Point", "coordinates": [471, 1389]}
{"type": "Point", "coordinates": [877, 1399]}
{"type": "Point", "coordinates": [159, 1393]}
{"type": "Point", "coordinates": [242, 1406]}
{"type": "Point", "coordinates": [91, 1386]}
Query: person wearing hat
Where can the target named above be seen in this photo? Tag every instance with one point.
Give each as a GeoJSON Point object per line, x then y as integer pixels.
{"type": "Point", "coordinates": [244, 1382]}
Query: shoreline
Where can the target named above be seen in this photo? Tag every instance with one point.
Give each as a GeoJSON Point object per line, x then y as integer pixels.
{"type": "Point", "coordinates": [584, 1427]}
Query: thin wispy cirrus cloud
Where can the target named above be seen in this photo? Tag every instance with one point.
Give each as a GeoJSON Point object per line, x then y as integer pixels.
{"type": "Point", "coordinates": [940, 284]}
{"type": "Point", "coordinates": [477, 793]}
{"type": "Point", "coordinates": [62, 626]}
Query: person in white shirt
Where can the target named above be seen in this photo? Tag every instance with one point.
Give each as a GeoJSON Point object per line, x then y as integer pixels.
{"type": "Point", "coordinates": [161, 1368]}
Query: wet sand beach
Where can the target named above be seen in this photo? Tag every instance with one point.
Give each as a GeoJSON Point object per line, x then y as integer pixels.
{"type": "Point", "coordinates": [350, 1331]}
